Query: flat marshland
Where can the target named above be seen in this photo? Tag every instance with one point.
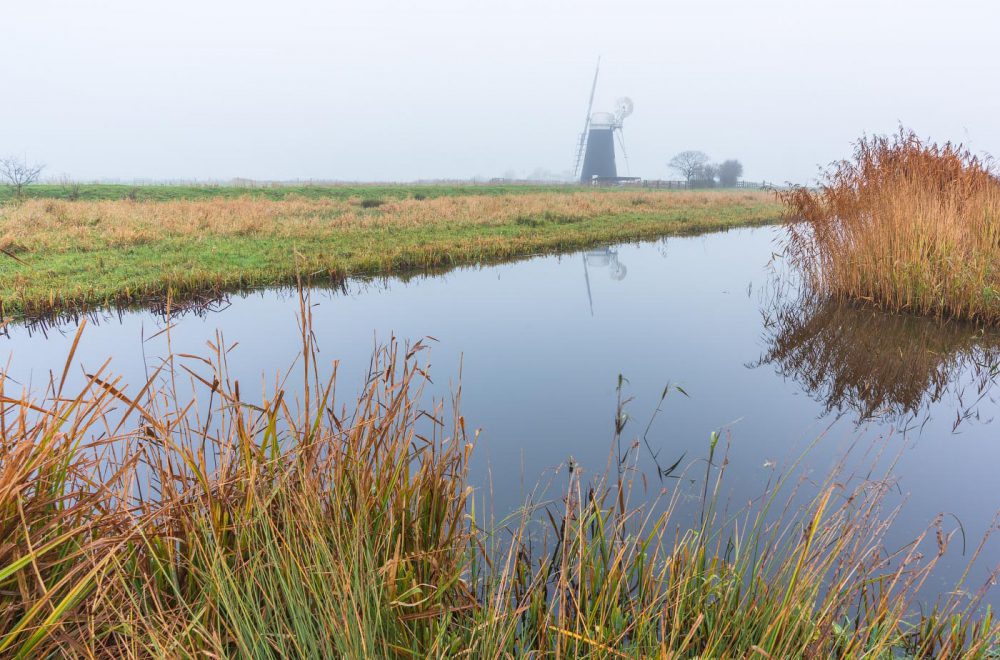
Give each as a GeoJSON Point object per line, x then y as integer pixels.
{"type": "Point", "coordinates": [67, 254]}
{"type": "Point", "coordinates": [201, 523]}
{"type": "Point", "coordinates": [171, 514]}
{"type": "Point", "coordinates": [905, 224]}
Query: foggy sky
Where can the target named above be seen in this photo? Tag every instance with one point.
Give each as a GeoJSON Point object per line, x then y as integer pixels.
{"type": "Point", "coordinates": [375, 90]}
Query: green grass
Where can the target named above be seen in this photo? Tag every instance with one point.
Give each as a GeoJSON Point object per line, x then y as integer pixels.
{"type": "Point", "coordinates": [164, 193]}
{"type": "Point", "coordinates": [63, 256]}
{"type": "Point", "coordinates": [317, 529]}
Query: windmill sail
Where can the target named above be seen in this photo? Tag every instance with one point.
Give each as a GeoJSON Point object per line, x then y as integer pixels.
{"type": "Point", "coordinates": [582, 145]}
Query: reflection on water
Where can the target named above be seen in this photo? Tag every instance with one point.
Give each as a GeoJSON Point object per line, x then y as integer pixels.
{"type": "Point", "coordinates": [879, 366]}
{"type": "Point", "coordinates": [602, 259]}
{"type": "Point", "coordinates": [201, 306]}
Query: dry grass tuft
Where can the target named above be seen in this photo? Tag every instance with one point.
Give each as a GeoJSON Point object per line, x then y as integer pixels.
{"type": "Point", "coordinates": [905, 224]}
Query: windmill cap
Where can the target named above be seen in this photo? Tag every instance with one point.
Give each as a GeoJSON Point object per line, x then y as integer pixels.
{"type": "Point", "coordinates": [602, 119]}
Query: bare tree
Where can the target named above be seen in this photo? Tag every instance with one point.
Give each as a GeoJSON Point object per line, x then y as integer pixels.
{"type": "Point", "coordinates": [689, 163]}
{"type": "Point", "coordinates": [18, 173]}
{"type": "Point", "coordinates": [730, 172]}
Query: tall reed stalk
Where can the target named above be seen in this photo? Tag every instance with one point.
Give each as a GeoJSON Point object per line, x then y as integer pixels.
{"type": "Point", "coordinates": [905, 224]}
{"type": "Point", "coordinates": [147, 523]}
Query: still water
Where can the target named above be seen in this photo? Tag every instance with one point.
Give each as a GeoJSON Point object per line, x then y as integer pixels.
{"type": "Point", "coordinates": [541, 344]}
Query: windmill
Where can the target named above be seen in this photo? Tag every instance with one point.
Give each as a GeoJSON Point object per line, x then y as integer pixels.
{"type": "Point", "coordinates": [595, 154]}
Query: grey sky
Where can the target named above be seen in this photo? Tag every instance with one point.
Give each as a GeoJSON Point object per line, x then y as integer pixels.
{"type": "Point", "coordinates": [381, 90]}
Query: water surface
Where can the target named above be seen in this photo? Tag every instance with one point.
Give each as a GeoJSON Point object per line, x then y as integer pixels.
{"type": "Point", "coordinates": [541, 344]}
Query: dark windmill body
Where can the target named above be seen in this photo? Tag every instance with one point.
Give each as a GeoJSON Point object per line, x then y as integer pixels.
{"type": "Point", "coordinates": [599, 156]}
{"type": "Point", "coordinates": [595, 157]}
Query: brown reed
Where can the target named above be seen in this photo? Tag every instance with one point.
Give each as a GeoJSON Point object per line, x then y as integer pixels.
{"type": "Point", "coordinates": [905, 224]}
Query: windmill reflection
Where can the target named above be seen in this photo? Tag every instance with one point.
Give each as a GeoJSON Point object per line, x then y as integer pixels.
{"type": "Point", "coordinates": [880, 366]}
{"type": "Point", "coordinates": [600, 259]}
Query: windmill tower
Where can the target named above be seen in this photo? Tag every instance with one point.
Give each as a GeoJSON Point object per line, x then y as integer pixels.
{"type": "Point", "coordinates": [595, 154]}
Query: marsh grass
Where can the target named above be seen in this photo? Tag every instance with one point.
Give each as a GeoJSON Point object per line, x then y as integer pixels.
{"type": "Point", "coordinates": [139, 520]}
{"type": "Point", "coordinates": [906, 224]}
{"type": "Point", "coordinates": [63, 255]}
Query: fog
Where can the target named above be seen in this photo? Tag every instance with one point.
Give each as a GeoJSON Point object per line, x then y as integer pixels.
{"type": "Point", "coordinates": [398, 91]}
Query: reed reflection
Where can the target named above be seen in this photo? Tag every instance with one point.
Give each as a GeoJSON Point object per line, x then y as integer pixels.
{"type": "Point", "coordinates": [879, 366]}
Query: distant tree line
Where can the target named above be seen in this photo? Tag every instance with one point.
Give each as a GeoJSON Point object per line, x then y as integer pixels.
{"type": "Point", "coordinates": [699, 172]}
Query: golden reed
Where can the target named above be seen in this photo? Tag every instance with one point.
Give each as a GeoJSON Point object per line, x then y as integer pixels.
{"type": "Point", "coordinates": [906, 224]}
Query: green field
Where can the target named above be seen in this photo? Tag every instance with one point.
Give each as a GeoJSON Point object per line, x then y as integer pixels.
{"type": "Point", "coordinates": [61, 255]}
{"type": "Point", "coordinates": [163, 193]}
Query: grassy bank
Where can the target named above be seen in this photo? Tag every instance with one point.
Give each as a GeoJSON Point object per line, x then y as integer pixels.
{"type": "Point", "coordinates": [905, 224]}
{"type": "Point", "coordinates": [63, 255]}
{"type": "Point", "coordinates": [146, 526]}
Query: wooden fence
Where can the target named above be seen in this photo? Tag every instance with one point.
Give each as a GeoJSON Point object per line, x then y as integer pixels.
{"type": "Point", "coordinates": [700, 185]}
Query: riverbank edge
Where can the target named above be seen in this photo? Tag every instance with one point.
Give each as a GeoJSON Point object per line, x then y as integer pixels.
{"type": "Point", "coordinates": [54, 293]}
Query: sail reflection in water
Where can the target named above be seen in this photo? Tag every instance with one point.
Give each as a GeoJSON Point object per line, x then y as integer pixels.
{"type": "Point", "coordinates": [879, 366]}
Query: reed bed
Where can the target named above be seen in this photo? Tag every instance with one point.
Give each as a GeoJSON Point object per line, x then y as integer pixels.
{"type": "Point", "coordinates": [906, 224]}
{"type": "Point", "coordinates": [138, 521]}
{"type": "Point", "coordinates": [58, 255]}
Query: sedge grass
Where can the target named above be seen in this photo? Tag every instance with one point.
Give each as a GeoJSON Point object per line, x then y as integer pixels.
{"type": "Point", "coordinates": [60, 255]}
{"type": "Point", "coordinates": [150, 523]}
{"type": "Point", "coordinates": [905, 224]}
